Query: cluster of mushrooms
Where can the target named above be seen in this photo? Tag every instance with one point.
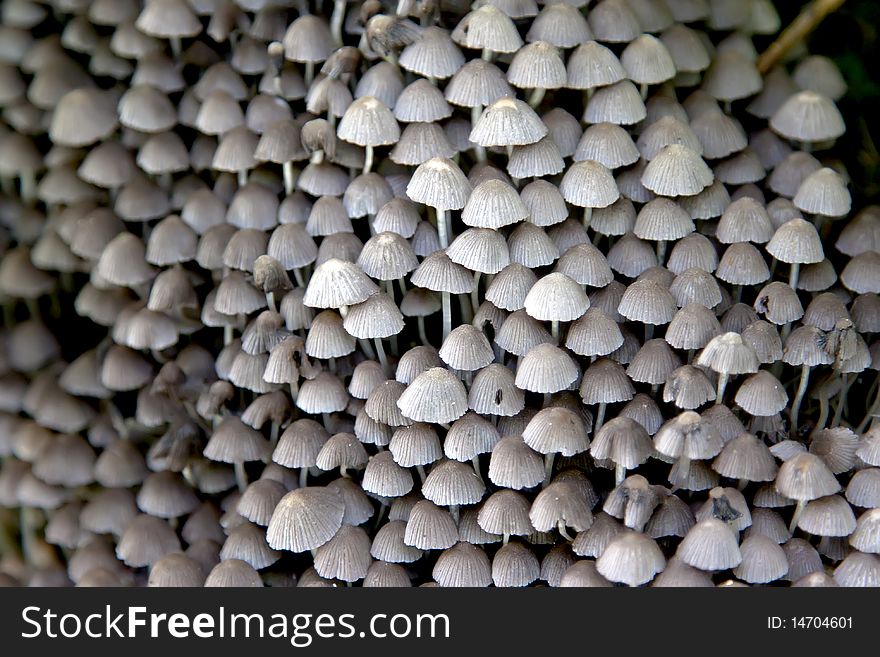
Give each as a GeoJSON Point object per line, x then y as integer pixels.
{"type": "Point", "coordinates": [430, 293]}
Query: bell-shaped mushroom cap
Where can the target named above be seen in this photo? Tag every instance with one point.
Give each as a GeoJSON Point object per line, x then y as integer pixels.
{"type": "Point", "coordinates": [537, 65]}
{"type": "Point", "coordinates": [167, 19]}
{"type": "Point", "coordinates": [588, 184]}
{"type": "Point", "coordinates": [796, 241]}
{"type": "Point", "coordinates": [435, 395]}
{"type": "Point", "coordinates": [305, 519]}
{"type": "Point", "coordinates": [546, 368]}
{"type": "Point", "coordinates": [505, 512]}
{"type": "Point", "coordinates": [233, 573]}
{"type": "Point", "coordinates": [732, 76]}
{"type": "Point", "coordinates": [594, 334]}
{"type": "Point", "coordinates": [828, 516]}
{"type": "Point", "coordinates": [763, 560]}
{"type": "Point", "coordinates": [440, 184]}
{"type": "Point", "coordinates": [422, 102]}
{"type": "Point", "coordinates": [388, 543]}
{"type": "Point", "coordinates": [82, 117]}
{"type": "Point", "coordinates": [487, 28]}
{"type": "Point", "coordinates": [514, 464]}
{"type": "Point", "coordinates": [510, 286]}
{"type": "Point", "coordinates": [808, 116]}
{"type": "Point", "coordinates": [710, 545]}
{"type": "Point", "coordinates": [866, 536]}
{"type": "Point", "coordinates": [146, 540]}
{"type": "Point", "coordinates": [368, 122]}
{"type": "Point", "coordinates": [336, 283]}
{"type": "Point", "coordinates": [561, 24]}
{"type": "Point", "coordinates": [308, 39]}
{"type": "Point", "coordinates": [493, 204]}
{"type": "Point", "coordinates": [762, 395]}
{"type": "Point", "coordinates": [689, 436]}
{"type": "Point", "coordinates": [824, 192]}
{"type": "Point", "coordinates": [508, 122]}
{"type": "Point", "coordinates": [235, 442]}
{"type": "Point", "coordinates": [463, 565]}
{"type": "Point", "coordinates": [677, 171]}
{"type": "Point", "coordinates": [862, 274]}
{"type": "Point", "coordinates": [564, 503]}
{"type": "Point", "coordinates": [617, 103]}
{"type": "Point", "coordinates": [744, 220]}
{"type": "Point", "coordinates": [176, 570]}
{"type": "Point", "coordinates": [557, 430]}
{"type": "Point", "coordinates": [631, 558]}
{"type": "Point", "coordinates": [415, 445]}
{"type": "Point", "coordinates": [514, 565]}
{"type": "Point", "coordinates": [346, 556]}
{"type": "Point", "coordinates": [649, 302]}
{"type": "Point", "coordinates": [377, 317]}
{"type": "Point", "coordinates": [582, 574]}
{"type": "Point", "coordinates": [728, 353]}
{"type": "Point", "coordinates": [430, 527]}
{"type": "Point", "coordinates": [433, 54]}
{"type": "Point", "coordinates": [556, 297]}
{"type": "Point", "coordinates": [622, 441]}
{"type": "Point", "coordinates": [466, 349]}
{"type": "Point", "coordinates": [386, 478]}
{"type": "Point", "coordinates": [480, 249]}
{"type": "Point", "coordinates": [646, 60]}
{"type": "Point", "coordinates": [688, 387]}
{"type": "Point", "coordinates": [858, 570]}
{"type": "Point", "coordinates": [451, 483]}
{"type": "Point", "coordinates": [746, 458]}
{"type": "Point", "coordinates": [805, 477]}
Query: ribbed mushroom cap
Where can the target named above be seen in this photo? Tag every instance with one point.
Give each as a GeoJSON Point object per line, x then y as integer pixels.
{"type": "Point", "coordinates": [388, 544]}
{"type": "Point", "coordinates": [866, 536]}
{"type": "Point", "coordinates": [235, 442]}
{"type": "Point", "coordinates": [167, 19]}
{"type": "Point", "coordinates": [710, 545]}
{"type": "Point", "coordinates": [337, 283]}
{"type": "Point", "coordinates": [593, 65]}
{"type": "Point", "coordinates": [594, 334]}
{"type": "Point", "coordinates": [487, 28]}
{"type": "Point", "coordinates": [510, 286]}
{"type": "Point", "coordinates": [433, 54]}
{"type": "Point", "coordinates": [763, 560]}
{"type": "Point", "coordinates": [828, 516]}
{"type": "Point", "coordinates": [613, 21]}
{"type": "Point", "coordinates": [233, 573]}
{"type": "Point", "coordinates": [514, 464]}
{"type": "Point", "coordinates": [648, 302]}
{"type": "Point", "coordinates": [440, 184]}
{"type": "Point", "coordinates": [556, 297]}
{"type": "Point", "coordinates": [746, 457]}
{"type": "Point", "coordinates": [692, 327]}
{"type": "Point", "coordinates": [607, 143]}
{"type": "Point", "coordinates": [605, 382]}
{"type": "Point", "coordinates": [622, 441]}
{"type": "Point", "coordinates": [564, 503]}
{"type": "Point", "coordinates": [742, 264]}
{"type": "Point", "coordinates": [537, 65]}
{"type": "Point", "coordinates": [508, 122]}
{"type": "Point", "coordinates": [308, 39]}
{"type": "Point", "coordinates": [652, 363]}
{"type": "Point", "coordinates": [588, 184]}
{"type": "Point", "coordinates": [305, 519]}
{"type": "Point", "coordinates": [466, 349]}
{"type": "Point", "coordinates": [434, 396]}
{"type": "Point", "coordinates": [451, 483]}
{"type": "Point", "coordinates": [377, 317]}
{"type": "Point", "coordinates": [557, 430]}
{"type": "Point", "coordinates": [806, 477]}
{"type": "Point", "coordinates": [368, 122]}
{"type": "Point", "coordinates": [778, 303]}
{"type": "Point", "coordinates": [415, 361]}
{"type": "Point", "coordinates": [796, 241]}
{"type": "Point", "coordinates": [664, 132]}
{"type": "Point", "coordinates": [480, 249]}
{"type": "Point", "coordinates": [858, 570]}
{"type": "Point", "coordinates": [861, 273]}
{"type": "Point", "coordinates": [662, 220]}
{"type": "Point", "coordinates": [346, 556]}
{"type": "Point", "coordinates": [505, 512]}
{"type": "Point", "coordinates": [808, 116]}
{"type": "Point", "coordinates": [646, 60]}
{"type": "Point", "coordinates": [762, 395]}
{"type": "Point", "coordinates": [430, 527]}
{"type": "Point", "coordinates": [688, 387]}
{"type": "Point", "coordinates": [546, 368]}
{"type": "Point", "coordinates": [463, 565]}
{"type": "Point", "coordinates": [421, 101]}
{"type": "Point", "coordinates": [82, 117]}
{"type": "Point", "coordinates": [690, 436]}
{"type": "Point", "coordinates": [677, 171]}
{"type": "Point", "coordinates": [824, 192]}
{"type": "Point", "coordinates": [514, 565]}
{"type": "Point", "coordinates": [631, 558]}
{"type": "Point", "coordinates": [493, 204]}
{"type": "Point", "coordinates": [728, 353]}
{"type": "Point", "coordinates": [176, 570]}
{"type": "Point", "coordinates": [146, 540]}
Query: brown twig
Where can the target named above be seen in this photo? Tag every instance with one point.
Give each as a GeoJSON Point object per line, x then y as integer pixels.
{"type": "Point", "coordinates": [806, 22]}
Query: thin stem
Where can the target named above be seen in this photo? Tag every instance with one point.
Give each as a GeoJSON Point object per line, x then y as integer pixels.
{"type": "Point", "coordinates": [475, 293]}
{"type": "Point", "coordinates": [661, 252]}
{"type": "Point", "coordinates": [368, 158]}
{"type": "Point", "coordinates": [600, 417]}
{"type": "Point", "coordinates": [841, 400]}
{"type": "Point", "coordinates": [442, 228]}
{"type": "Point", "coordinates": [447, 313]}
{"type": "Point", "coordinates": [337, 18]}
{"type": "Point", "coordinates": [588, 217]}
{"type": "Point", "coordinates": [805, 23]}
{"type": "Point", "coordinates": [554, 330]}
{"type": "Point", "coordinates": [476, 113]}
{"type": "Point", "coordinates": [303, 477]}
{"type": "Point", "coordinates": [619, 474]}
{"type": "Point", "coordinates": [422, 336]}
{"type": "Point", "coordinates": [240, 475]}
{"type": "Point", "coordinates": [289, 177]}
{"type": "Point", "coordinates": [722, 384]}
{"type": "Point", "coordinates": [548, 468]}
{"type": "Point", "coordinates": [793, 276]}
{"type": "Point", "coordinates": [799, 398]}
{"type": "Point", "coordinates": [383, 359]}
{"type": "Point", "coordinates": [536, 97]}
{"type": "Point", "coordinates": [798, 510]}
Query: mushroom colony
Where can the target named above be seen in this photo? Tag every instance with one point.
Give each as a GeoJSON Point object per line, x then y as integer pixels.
{"type": "Point", "coordinates": [430, 293]}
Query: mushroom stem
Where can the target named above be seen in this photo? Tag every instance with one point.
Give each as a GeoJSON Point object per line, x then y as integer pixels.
{"type": "Point", "coordinates": [619, 474]}
{"type": "Point", "coordinates": [684, 468]}
{"type": "Point", "coordinates": [422, 336]}
{"type": "Point", "coordinates": [741, 484]}
{"type": "Point", "coordinates": [823, 413]}
{"type": "Point", "coordinates": [368, 350]}
{"type": "Point", "coordinates": [476, 463]}
{"type": "Point", "coordinates": [871, 410]}
{"type": "Point", "coordinates": [588, 217]}
{"type": "Point", "coordinates": [383, 359]}
{"type": "Point", "coordinates": [793, 275]}
{"type": "Point", "coordinates": [798, 510]}
{"type": "Point", "coordinates": [649, 331]}
{"type": "Point", "coordinates": [294, 389]}
{"type": "Point", "coordinates": [421, 470]}
{"type": "Point", "coordinates": [643, 90]}
{"type": "Point", "coordinates": [298, 277]}
{"type": "Point", "coordinates": [227, 335]}
{"type": "Point", "coordinates": [303, 477]}
{"type": "Point", "coordinates": [479, 151]}
{"type": "Point", "coordinates": [270, 301]}
{"type": "Point", "coordinates": [661, 252]}
{"type": "Point", "coordinates": [240, 475]}
{"type": "Point", "coordinates": [309, 73]}
{"type": "Point", "coordinates": [722, 384]}
{"type": "Point", "coordinates": [548, 468]}
{"type": "Point", "coordinates": [453, 511]}
{"type": "Point", "coordinates": [368, 158]}
{"type": "Point", "coordinates": [536, 97]}
{"type": "Point", "coordinates": [176, 47]}
{"type": "Point", "coordinates": [554, 330]}
{"type": "Point", "coordinates": [447, 313]}
{"type": "Point", "coordinates": [442, 228]}
{"type": "Point", "coordinates": [464, 304]}
{"type": "Point", "coordinates": [799, 397]}
{"type": "Point", "coordinates": [563, 532]}
{"type": "Point", "coordinates": [289, 177]}
{"type": "Point", "coordinates": [336, 20]}
{"type": "Point", "coordinates": [28, 187]}
{"type": "Point", "coordinates": [475, 293]}
{"type": "Point", "coordinates": [841, 400]}
{"type": "Point", "coordinates": [600, 417]}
